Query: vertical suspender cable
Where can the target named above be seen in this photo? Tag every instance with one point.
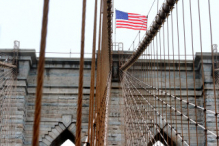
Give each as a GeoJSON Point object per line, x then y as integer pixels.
{"type": "Point", "coordinates": [213, 72]}
{"type": "Point", "coordinates": [97, 98]}
{"type": "Point", "coordinates": [193, 66]}
{"type": "Point", "coordinates": [36, 127]}
{"type": "Point", "coordinates": [80, 89]}
{"type": "Point", "coordinates": [202, 73]}
{"type": "Point", "coordinates": [91, 107]}
{"type": "Point", "coordinates": [187, 92]}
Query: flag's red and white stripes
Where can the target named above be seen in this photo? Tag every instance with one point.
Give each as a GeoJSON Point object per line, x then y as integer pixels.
{"type": "Point", "coordinates": [135, 22]}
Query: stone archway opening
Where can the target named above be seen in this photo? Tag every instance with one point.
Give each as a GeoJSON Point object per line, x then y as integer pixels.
{"type": "Point", "coordinates": [66, 137]}
{"type": "Point", "coordinates": [158, 143]}
{"type": "Point", "coordinates": [68, 143]}
{"type": "Point", "coordinates": [160, 140]}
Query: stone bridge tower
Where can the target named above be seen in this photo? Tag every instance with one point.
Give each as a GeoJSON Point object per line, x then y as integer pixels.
{"type": "Point", "coordinates": [59, 103]}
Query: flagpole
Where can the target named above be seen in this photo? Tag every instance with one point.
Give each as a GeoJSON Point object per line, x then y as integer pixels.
{"type": "Point", "coordinates": [147, 24]}
{"type": "Point", "coordinates": [115, 29]}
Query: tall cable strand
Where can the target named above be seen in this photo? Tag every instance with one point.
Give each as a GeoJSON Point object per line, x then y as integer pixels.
{"type": "Point", "coordinates": [91, 107]}
{"type": "Point", "coordinates": [37, 115]}
{"type": "Point", "coordinates": [80, 89]}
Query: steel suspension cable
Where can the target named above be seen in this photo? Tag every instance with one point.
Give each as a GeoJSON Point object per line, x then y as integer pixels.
{"type": "Point", "coordinates": [185, 51]}
{"type": "Point", "coordinates": [157, 98]}
{"type": "Point", "coordinates": [81, 74]}
{"type": "Point", "coordinates": [159, 19]}
{"type": "Point", "coordinates": [137, 93]}
{"type": "Point", "coordinates": [137, 109]}
{"type": "Point", "coordinates": [91, 107]}
{"type": "Point", "coordinates": [202, 70]}
{"type": "Point", "coordinates": [213, 73]}
{"type": "Point", "coordinates": [40, 72]}
{"type": "Point", "coordinates": [154, 108]}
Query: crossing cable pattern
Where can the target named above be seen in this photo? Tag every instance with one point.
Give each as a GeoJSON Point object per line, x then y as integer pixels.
{"type": "Point", "coordinates": [98, 110]}
{"type": "Point", "coordinates": [103, 115]}
{"type": "Point", "coordinates": [138, 120]}
{"type": "Point", "coordinates": [8, 95]}
{"type": "Point", "coordinates": [103, 78]}
{"type": "Point", "coordinates": [159, 19]}
{"type": "Point", "coordinates": [167, 92]}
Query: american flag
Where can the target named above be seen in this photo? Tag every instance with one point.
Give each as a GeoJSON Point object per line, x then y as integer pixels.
{"type": "Point", "coordinates": [130, 21]}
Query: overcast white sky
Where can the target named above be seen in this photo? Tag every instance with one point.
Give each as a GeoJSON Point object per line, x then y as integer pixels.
{"type": "Point", "coordinates": [21, 20]}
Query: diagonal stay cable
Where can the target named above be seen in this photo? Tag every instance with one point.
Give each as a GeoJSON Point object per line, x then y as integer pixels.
{"type": "Point", "coordinates": [155, 125]}
{"type": "Point", "coordinates": [196, 123]}
{"type": "Point", "coordinates": [167, 123]}
{"type": "Point", "coordinates": [157, 23]}
{"type": "Point", "coordinates": [151, 134]}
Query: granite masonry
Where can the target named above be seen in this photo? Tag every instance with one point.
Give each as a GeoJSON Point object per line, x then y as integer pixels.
{"type": "Point", "coordinates": [60, 93]}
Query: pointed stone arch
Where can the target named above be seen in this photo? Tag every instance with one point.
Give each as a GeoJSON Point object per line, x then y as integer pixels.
{"type": "Point", "coordinates": [158, 137]}
{"type": "Point", "coordinates": [59, 133]}
{"type": "Point", "coordinates": [65, 135]}
{"type": "Point", "coordinates": [168, 133]}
